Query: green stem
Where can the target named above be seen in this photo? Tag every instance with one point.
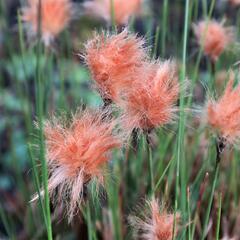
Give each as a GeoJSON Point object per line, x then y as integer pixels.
{"type": "Point", "coordinates": [180, 143]}
{"type": "Point", "coordinates": [37, 182]}
{"type": "Point", "coordinates": [150, 168]}
{"type": "Point", "coordinates": [204, 7]}
{"type": "Point", "coordinates": [39, 92]}
{"type": "Point", "coordinates": [219, 216]}
{"type": "Point", "coordinates": [162, 176]}
{"type": "Point", "coordinates": [113, 21]}
{"type": "Point", "coordinates": [155, 50]}
{"type": "Point", "coordinates": [210, 201]}
{"type": "Point", "coordinates": [220, 146]}
{"type": "Point", "coordinates": [164, 26]}
{"type": "Point", "coordinates": [189, 214]}
{"type": "Point", "coordinates": [89, 222]}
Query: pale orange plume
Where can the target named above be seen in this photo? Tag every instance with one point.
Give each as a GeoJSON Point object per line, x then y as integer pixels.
{"type": "Point", "coordinates": [155, 224]}
{"type": "Point", "coordinates": [151, 102]}
{"type": "Point", "coordinates": [214, 37]}
{"type": "Point", "coordinates": [122, 9]}
{"type": "Point", "coordinates": [114, 61]}
{"type": "Point", "coordinates": [76, 154]}
{"type": "Point", "coordinates": [223, 115]}
{"type": "Point", "coordinates": [55, 16]}
{"type": "Point", "coordinates": [235, 2]}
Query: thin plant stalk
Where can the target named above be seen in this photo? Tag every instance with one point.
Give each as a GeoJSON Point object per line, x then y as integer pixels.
{"type": "Point", "coordinates": [37, 183]}
{"type": "Point", "coordinates": [204, 7]}
{"type": "Point", "coordinates": [234, 173]}
{"type": "Point", "coordinates": [150, 161]}
{"type": "Point", "coordinates": [114, 202]}
{"type": "Point", "coordinates": [196, 7]}
{"type": "Point", "coordinates": [220, 145]}
{"type": "Point", "coordinates": [238, 22]}
{"type": "Point", "coordinates": [113, 21]}
{"type": "Point", "coordinates": [216, 172]}
{"type": "Point", "coordinates": [189, 214]}
{"type": "Point", "coordinates": [164, 26]}
{"type": "Point", "coordinates": [162, 150]}
{"type": "Point", "coordinates": [180, 142]}
{"type": "Point", "coordinates": [219, 216]}
{"type": "Point", "coordinates": [39, 92]}
{"type": "Point", "coordinates": [180, 155]}
{"type": "Point", "coordinates": [155, 49]}
{"type": "Point", "coordinates": [89, 222]}
{"type": "Point", "coordinates": [163, 175]}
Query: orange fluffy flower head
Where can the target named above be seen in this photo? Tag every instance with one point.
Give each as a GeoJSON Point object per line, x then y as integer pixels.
{"type": "Point", "coordinates": [223, 115]}
{"type": "Point", "coordinates": [151, 100]}
{"type": "Point", "coordinates": [235, 2]}
{"type": "Point", "coordinates": [55, 16]}
{"type": "Point", "coordinates": [213, 37]}
{"type": "Point", "coordinates": [77, 154]}
{"type": "Point", "coordinates": [155, 224]}
{"type": "Point", "coordinates": [122, 10]}
{"type": "Point", "coordinates": [114, 61]}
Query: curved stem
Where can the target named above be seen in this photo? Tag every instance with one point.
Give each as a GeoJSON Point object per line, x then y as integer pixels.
{"type": "Point", "coordinates": [220, 146]}
{"type": "Point", "coordinates": [150, 160]}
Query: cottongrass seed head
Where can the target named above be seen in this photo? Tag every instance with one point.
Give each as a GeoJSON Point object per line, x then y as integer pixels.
{"type": "Point", "coordinates": [213, 37]}
{"type": "Point", "coordinates": [234, 2]}
{"type": "Point", "coordinates": [77, 153]}
{"type": "Point", "coordinates": [223, 115]}
{"type": "Point", "coordinates": [123, 9]}
{"type": "Point", "coordinates": [151, 102]}
{"type": "Point", "coordinates": [55, 16]}
{"type": "Point", "coordinates": [155, 223]}
{"type": "Point", "coordinates": [114, 61]}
